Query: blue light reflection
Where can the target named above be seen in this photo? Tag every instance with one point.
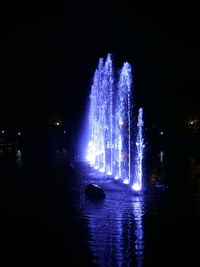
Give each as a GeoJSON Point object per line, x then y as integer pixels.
{"type": "Point", "coordinates": [116, 231]}
{"type": "Point", "coordinates": [138, 211]}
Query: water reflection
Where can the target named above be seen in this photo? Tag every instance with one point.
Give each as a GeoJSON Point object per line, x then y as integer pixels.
{"type": "Point", "coordinates": [158, 175]}
{"type": "Point", "coordinates": [138, 211]}
{"type": "Point", "coordinates": [116, 231]}
{"type": "Point", "coordinates": [19, 158]}
{"type": "Point", "coordinates": [161, 155]}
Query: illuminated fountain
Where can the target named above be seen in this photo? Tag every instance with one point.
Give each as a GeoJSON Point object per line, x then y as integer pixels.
{"type": "Point", "coordinates": [111, 148]}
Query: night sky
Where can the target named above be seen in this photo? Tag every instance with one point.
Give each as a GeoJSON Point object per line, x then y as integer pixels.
{"type": "Point", "coordinates": [48, 57]}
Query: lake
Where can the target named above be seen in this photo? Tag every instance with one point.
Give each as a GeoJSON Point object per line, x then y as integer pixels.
{"type": "Point", "coordinates": [47, 219]}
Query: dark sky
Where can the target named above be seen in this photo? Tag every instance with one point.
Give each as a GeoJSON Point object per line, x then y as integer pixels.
{"type": "Point", "coordinates": [48, 57]}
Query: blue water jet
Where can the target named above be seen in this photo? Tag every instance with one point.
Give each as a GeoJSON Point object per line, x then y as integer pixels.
{"type": "Point", "coordinates": [110, 148]}
{"type": "Point", "coordinates": [137, 185]}
{"type": "Point", "coordinates": [123, 125]}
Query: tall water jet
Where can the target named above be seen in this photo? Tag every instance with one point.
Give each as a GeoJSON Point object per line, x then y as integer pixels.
{"type": "Point", "coordinates": [137, 184]}
{"type": "Point", "coordinates": [107, 95]}
{"type": "Point", "coordinates": [123, 124]}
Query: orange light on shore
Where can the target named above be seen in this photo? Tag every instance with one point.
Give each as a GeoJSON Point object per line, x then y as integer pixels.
{"type": "Point", "coordinates": [57, 123]}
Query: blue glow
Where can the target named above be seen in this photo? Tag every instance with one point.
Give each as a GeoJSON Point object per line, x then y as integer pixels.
{"type": "Point", "coordinates": [110, 147]}
{"type": "Point", "coordinates": [136, 186]}
{"type": "Point", "coordinates": [126, 181]}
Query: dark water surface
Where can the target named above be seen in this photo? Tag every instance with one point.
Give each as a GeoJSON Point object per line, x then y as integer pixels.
{"type": "Point", "coordinates": [47, 219]}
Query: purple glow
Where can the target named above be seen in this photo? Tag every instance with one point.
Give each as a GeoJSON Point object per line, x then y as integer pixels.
{"type": "Point", "coordinates": [109, 148]}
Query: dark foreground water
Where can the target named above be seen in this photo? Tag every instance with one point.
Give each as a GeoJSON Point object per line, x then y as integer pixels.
{"type": "Point", "coordinates": [47, 219]}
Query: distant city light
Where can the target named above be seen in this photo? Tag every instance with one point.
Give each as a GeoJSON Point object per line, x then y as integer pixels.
{"type": "Point", "coordinates": [64, 132]}
{"type": "Point", "coordinates": [57, 123]}
{"type": "Point", "coordinates": [194, 122]}
{"type": "Point", "coordinates": [161, 133]}
{"type": "Point", "coordinates": [2, 131]}
{"type": "Point", "coordinates": [18, 133]}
